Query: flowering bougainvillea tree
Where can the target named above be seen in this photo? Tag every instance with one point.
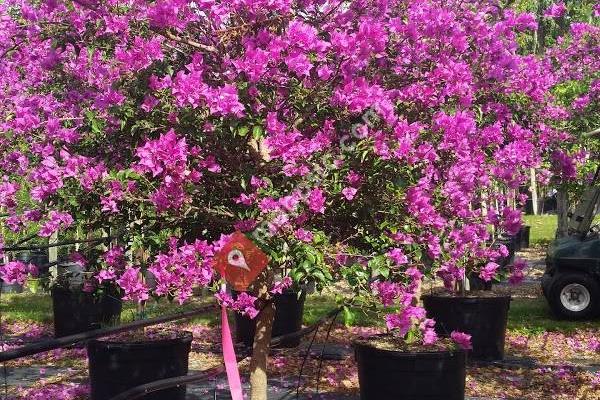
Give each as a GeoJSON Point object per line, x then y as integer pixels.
{"type": "Point", "coordinates": [576, 64]}
{"type": "Point", "coordinates": [371, 140]}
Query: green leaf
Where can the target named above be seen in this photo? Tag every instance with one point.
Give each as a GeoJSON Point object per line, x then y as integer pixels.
{"type": "Point", "coordinates": [383, 272]}
{"type": "Point", "coordinates": [257, 132]}
{"type": "Point", "coordinates": [319, 275]}
{"type": "Point", "coordinates": [348, 316]}
{"type": "Point", "coordinates": [243, 131]}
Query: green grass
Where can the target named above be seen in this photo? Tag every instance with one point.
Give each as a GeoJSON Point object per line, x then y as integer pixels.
{"type": "Point", "coordinates": [526, 316]}
{"type": "Point", "coordinates": [543, 228]}
{"type": "Point", "coordinates": [533, 316]}
{"type": "Point", "coordinates": [319, 305]}
{"type": "Point", "coordinates": [26, 307]}
{"type": "Point", "coordinates": [38, 308]}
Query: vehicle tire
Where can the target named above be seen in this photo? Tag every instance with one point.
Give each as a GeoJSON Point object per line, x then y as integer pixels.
{"type": "Point", "coordinates": [574, 296]}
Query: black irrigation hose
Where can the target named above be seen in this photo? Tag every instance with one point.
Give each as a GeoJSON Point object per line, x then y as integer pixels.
{"type": "Point", "coordinates": [47, 345]}
{"type": "Point", "coordinates": [334, 317]}
{"type": "Point", "coordinates": [142, 390]}
{"type": "Point", "coordinates": [26, 239]}
{"type": "Point", "coordinates": [58, 244]}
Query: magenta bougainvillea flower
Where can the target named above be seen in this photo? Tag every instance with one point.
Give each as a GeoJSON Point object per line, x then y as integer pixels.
{"type": "Point", "coordinates": [463, 340]}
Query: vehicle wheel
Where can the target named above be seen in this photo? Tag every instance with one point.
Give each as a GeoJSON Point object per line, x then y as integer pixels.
{"type": "Point", "coordinates": [574, 296]}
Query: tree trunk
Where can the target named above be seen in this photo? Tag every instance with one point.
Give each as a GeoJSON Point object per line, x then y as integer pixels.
{"type": "Point", "coordinates": [262, 340]}
{"type": "Point", "coordinates": [540, 34]}
{"type": "Point", "coordinates": [562, 211]}
{"type": "Point", "coordinates": [260, 353]}
{"type": "Point", "coordinates": [534, 193]}
{"type": "Point", "coordinates": [53, 251]}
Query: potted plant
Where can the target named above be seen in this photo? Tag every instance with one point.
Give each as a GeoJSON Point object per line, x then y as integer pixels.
{"type": "Point", "coordinates": [79, 301]}
{"type": "Point", "coordinates": [128, 360]}
{"type": "Point", "coordinates": [408, 363]}
{"type": "Point", "coordinates": [376, 123]}
{"type": "Point", "coordinates": [119, 364]}
{"type": "Point", "coordinates": [410, 360]}
{"type": "Point", "coordinates": [484, 314]}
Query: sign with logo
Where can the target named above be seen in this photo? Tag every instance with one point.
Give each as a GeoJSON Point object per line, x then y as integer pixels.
{"type": "Point", "coordinates": [240, 261]}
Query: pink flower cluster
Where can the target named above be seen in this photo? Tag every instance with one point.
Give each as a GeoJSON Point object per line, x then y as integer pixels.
{"type": "Point", "coordinates": [244, 303]}
{"type": "Point", "coordinates": [181, 269]}
{"type": "Point", "coordinates": [281, 286]}
{"type": "Point", "coordinates": [16, 272]}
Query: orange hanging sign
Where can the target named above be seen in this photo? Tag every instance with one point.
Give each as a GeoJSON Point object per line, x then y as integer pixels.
{"type": "Point", "coordinates": [240, 261]}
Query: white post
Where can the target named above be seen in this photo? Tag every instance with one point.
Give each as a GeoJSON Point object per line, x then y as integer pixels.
{"type": "Point", "coordinates": [534, 192]}
{"type": "Point", "coordinates": [53, 251]}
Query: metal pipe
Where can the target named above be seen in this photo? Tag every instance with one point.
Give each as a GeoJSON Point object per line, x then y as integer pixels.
{"type": "Point", "coordinates": [58, 244]}
{"type": "Point", "coordinates": [142, 390]}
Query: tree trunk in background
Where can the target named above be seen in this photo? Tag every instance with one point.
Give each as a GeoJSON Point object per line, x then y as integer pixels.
{"type": "Point", "coordinates": [5, 258]}
{"type": "Point", "coordinates": [53, 251]}
{"type": "Point", "coordinates": [262, 340]}
{"type": "Point", "coordinates": [534, 193]}
{"type": "Point", "coordinates": [562, 211]}
{"type": "Point", "coordinates": [540, 34]}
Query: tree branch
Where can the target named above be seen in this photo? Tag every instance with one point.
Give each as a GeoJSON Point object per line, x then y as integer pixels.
{"type": "Point", "coordinates": [171, 36]}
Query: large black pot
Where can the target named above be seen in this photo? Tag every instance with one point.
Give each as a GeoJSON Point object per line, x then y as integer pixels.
{"type": "Point", "coordinates": [484, 318]}
{"type": "Point", "coordinates": [476, 283]}
{"type": "Point", "coordinates": [37, 257]}
{"type": "Point", "coordinates": [116, 367]}
{"type": "Point", "coordinates": [524, 235]}
{"type": "Point", "coordinates": [289, 310]}
{"type": "Point", "coordinates": [397, 375]}
{"type": "Point", "coordinates": [76, 311]}
{"type": "Point", "coordinates": [10, 287]}
{"type": "Point", "coordinates": [511, 246]}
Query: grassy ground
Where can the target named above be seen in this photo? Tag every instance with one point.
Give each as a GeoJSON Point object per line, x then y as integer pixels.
{"type": "Point", "coordinates": [38, 308]}
{"type": "Point", "coordinates": [526, 316]}
{"type": "Point", "coordinates": [543, 228]}
{"type": "Point", "coordinates": [532, 316]}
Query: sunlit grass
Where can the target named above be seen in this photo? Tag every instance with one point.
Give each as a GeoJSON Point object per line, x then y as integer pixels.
{"type": "Point", "coordinates": [533, 316]}
{"type": "Point", "coordinates": [526, 316]}
{"type": "Point", "coordinates": [543, 228]}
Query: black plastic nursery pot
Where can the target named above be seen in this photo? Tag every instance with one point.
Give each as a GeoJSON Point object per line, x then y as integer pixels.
{"type": "Point", "coordinates": [10, 287]}
{"type": "Point", "coordinates": [37, 257]}
{"type": "Point", "coordinates": [524, 235]}
{"type": "Point", "coordinates": [511, 246]}
{"type": "Point", "coordinates": [483, 317]}
{"type": "Point", "coordinates": [116, 367]}
{"type": "Point", "coordinates": [289, 310]}
{"type": "Point", "coordinates": [476, 283]}
{"type": "Point", "coordinates": [76, 311]}
{"type": "Point", "coordinates": [398, 375]}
